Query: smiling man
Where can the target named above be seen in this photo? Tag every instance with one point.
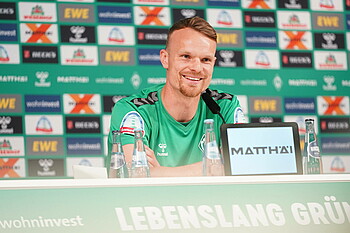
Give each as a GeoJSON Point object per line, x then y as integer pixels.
{"type": "Point", "coordinates": [172, 114]}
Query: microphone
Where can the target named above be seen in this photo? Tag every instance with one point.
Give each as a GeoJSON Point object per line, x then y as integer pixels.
{"type": "Point", "coordinates": [212, 105]}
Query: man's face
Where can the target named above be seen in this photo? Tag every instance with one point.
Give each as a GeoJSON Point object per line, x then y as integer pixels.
{"type": "Point", "coordinates": [189, 60]}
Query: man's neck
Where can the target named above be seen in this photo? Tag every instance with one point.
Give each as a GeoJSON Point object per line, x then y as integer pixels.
{"type": "Point", "coordinates": [180, 107]}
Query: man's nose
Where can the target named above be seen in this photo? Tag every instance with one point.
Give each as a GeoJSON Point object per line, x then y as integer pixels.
{"type": "Point", "coordinates": [196, 65]}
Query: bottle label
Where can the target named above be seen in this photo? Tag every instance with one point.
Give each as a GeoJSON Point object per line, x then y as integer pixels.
{"type": "Point", "coordinates": [212, 151]}
{"type": "Point", "coordinates": [313, 150]}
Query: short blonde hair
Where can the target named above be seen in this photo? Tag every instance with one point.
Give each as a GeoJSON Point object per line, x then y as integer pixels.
{"type": "Point", "coordinates": [196, 23]}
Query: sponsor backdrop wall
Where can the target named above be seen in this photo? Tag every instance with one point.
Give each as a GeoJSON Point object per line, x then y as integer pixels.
{"type": "Point", "coordinates": [64, 63]}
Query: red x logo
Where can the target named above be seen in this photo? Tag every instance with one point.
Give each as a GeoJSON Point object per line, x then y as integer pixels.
{"type": "Point", "coordinates": [257, 3]}
{"type": "Point", "coordinates": [295, 40]}
{"type": "Point", "coordinates": [39, 33]}
{"type": "Point", "coordinates": [152, 16]}
{"type": "Point", "coordinates": [82, 104]}
{"type": "Point", "coordinates": [7, 168]}
{"type": "Point", "coordinates": [333, 105]}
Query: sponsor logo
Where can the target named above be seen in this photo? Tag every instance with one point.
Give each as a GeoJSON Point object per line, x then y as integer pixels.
{"type": "Point", "coordinates": [295, 40]}
{"type": "Point", "coordinates": [109, 80]}
{"type": "Point", "coordinates": [299, 105]}
{"type": "Point", "coordinates": [156, 36]}
{"type": "Point", "coordinates": [44, 146]}
{"type": "Point", "coordinates": [229, 38]}
{"type": "Point", "coordinates": [159, 80]}
{"type": "Point", "coordinates": [136, 80]}
{"type": "Point", "coordinates": [78, 13]}
{"type": "Point", "coordinates": [38, 33]}
{"type": "Point", "coordinates": [293, 4]}
{"type": "Point", "coordinates": [155, 2]}
{"type": "Point", "coordinates": [277, 82]}
{"type": "Point", "coordinates": [12, 168]}
{"type": "Point", "coordinates": [11, 146]}
{"type": "Point", "coordinates": [300, 120]}
{"type": "Point", "coordinates": [42, 103]}
{"type": "Point", "coordinates": [131, 121]}
{"type": "Point", "coordinates": [229, 58]}
{"type": "Point", "coordinates": [302, 82]}
{"type": "Point", "coordinates": [294, 20]}
{"type": "Point", "coordinates": [335, 145]}
{"type": "Point", "coordinates": [106, 124]}
{"type": "Point", "coordinates": [187, 2]}
{"type": "Point", "coordinates": [335, 125]}
{"type": "Point", "coordinates": [262, 59]}
{"type": "Point", "coordinates": [348, 23]}
{"type": "Point", "coordinates": [73, 79]}
{"type": "Point", "coordinates": [84, 146]}
{"type": "Point", "coordinates": [335, 164]}
{"type": "Point", "coordinates": [112, 14]}
{"type": "Point", "coordinates": [44, 124]}
{"type": "Point", "coordinates": [261, 39]}
{"type": "Point", "coordinates": [11, 103]}
{"type": "Point", "coordinates": [345, 83]}
{"type": "Point", "coordinates": [224, 18]}
{"type": "Point", "coordinates": [238, 116]}
{"type": "Point", "coordinates": [79, 55]}
{"type": "Point", "coordinates": [8, 11]}
{"type": "Point", "coordinates": [162, 150]}
{"type": "Point", "coordinates": [329, 83]}
{"type": "Point", "coordinates": [214, 81]}
{"type": "Point", "coordinates": [82, 103]}
{"type": "Point", "coordinates": [13, 79]}
{"type": "Point", "coordinates": [262, 150]}
{"type": "Point", "coordinates": [243, 101]}
{"type": "Point", "coordinates": [39, 12]}
{"type": "Point", "coordinates": [45, 167]}
{"type": "Point", "coordinates": [265, 119]}
{"type": "Point", "coordinates": [229, 3]}
{"type": "Point", "coordinates": [183, 13]}
{"type": "Point", "coordinates": [117, 56]}
{"type": "Point", "coordinates": [109, 101]}
{"type": "Point", "coordinates": [148, 57]}
{"type": "Point", "coordinates": [156, 16]}
{"type": "Point", "coordinates": [347, 4]}
{"type": "Point", "coordinates": [303, 60]}
{"type": "Point", "coordinates": [327, 5]}
{"type": "Point", "coordinates": [327, 21]}
{"type": "Point", "coordinates": [253, 82]}
{"type": "Point", "coordinates": [114, 1]}
{"type": "Point", "coordinates": [329, 40]}
{"type": "Point", "coordinates": [8, 32]}
{"type": "Point", "coordinates": [116, 35]}
{"type": "Point", "coordinates": [259, 4]}
{"type": "Point", "coordinates": [11, 125]}
{"type": "Point", "coordinates": [330, 60]}
{"type": "Point", "coordinates": [83, 125]}
{"type": "Point", "coordinates": [40, 54]}
{"type": "Point", "coordinates": [78, 34]}
{"type": "Point", "coordinates": [266, 105]}
{"type": "Point", "coordinates": [83, 161]}
{"type": "Point", "coordinates": [9, 54]}
{"type": "Point", "coordinates": [42, 79]}
{"type": "Point", "coordinates": [259, 19]}
{"type": "Point", "coordinates": [333, 105]}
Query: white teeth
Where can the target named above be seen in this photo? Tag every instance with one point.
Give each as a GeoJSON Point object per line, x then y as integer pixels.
{"type": "Point", "coordinates": [193, 79]}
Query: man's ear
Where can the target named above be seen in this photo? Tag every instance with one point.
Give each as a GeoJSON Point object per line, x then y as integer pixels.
{"type": "Point", "coordinates": [164, 56]}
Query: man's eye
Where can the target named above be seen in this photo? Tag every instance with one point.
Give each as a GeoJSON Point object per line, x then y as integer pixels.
{"type": "Point", "coordinates": [185, 56]}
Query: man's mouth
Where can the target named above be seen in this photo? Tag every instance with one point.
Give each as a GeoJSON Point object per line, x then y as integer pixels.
{"type": "Point", "coordinates": [191, 78]}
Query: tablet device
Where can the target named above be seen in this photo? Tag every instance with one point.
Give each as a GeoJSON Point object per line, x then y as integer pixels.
{"type": "Point", "coordinates": [261, 149]}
